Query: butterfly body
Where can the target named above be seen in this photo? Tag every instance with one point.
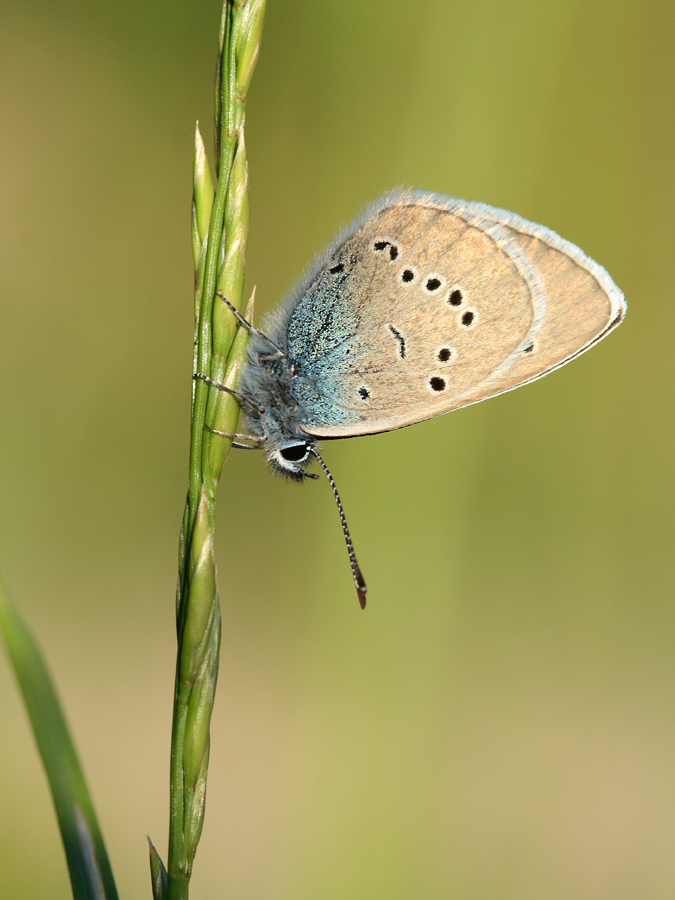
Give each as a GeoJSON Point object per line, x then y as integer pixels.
{"type": "Point", "coordinates": [424, 305]}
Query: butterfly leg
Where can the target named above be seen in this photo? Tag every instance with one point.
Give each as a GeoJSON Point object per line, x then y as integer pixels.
{"type": "Point", "coordinates": [238, 446]}
{"type": "Point", "coordinates": [258, 441]}
{"type": "Point", "coordinates": [248, 325]}
{"type": "Point", "coordinates": [244, 401]}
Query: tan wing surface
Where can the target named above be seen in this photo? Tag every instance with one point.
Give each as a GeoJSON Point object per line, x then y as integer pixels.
{"type": "Point", "coordinates": [457, 302]}
{"type": "Point", "coordinates": [582, 304]}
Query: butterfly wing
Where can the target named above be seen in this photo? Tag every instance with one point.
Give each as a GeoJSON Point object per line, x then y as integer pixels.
{"type": "Point", "coordinates": [582, 303]}
{"type": "Point", "coordinates": [430, 304]}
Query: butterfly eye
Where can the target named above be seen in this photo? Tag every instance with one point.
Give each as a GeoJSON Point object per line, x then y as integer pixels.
{"type": "Point", "coordinates": [297, 453]}
{"type": "Point", "coordinates": [289, 461]}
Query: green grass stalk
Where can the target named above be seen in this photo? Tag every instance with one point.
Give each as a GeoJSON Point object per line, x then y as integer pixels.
{"type": "Point", "coordinates": [219, 232]}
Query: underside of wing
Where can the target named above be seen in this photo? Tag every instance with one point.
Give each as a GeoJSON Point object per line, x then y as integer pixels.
{"type": "Point", "coordinates": [431, 304]}
{"type": "Point", "coordinates": [582, 303]}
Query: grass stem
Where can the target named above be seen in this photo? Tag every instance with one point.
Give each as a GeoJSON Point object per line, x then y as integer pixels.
{"type": "Point", "coordinates": [219, 233]}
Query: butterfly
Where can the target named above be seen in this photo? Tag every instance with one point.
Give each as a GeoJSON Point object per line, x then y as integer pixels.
{"type": "Point", "coordinates": [423, 305]}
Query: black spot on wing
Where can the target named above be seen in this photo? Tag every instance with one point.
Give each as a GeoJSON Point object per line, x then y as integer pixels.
{"type": "Point", "coordinates": [381, 244]}
{"type": "Point", "coordinates": [401, 340]}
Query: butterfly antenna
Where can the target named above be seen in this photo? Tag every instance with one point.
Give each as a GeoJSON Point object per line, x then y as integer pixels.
{"type": "Point", "coordinates": [359, 580]}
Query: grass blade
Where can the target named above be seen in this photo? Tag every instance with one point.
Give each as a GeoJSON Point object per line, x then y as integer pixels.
{"type": "Point", "coordinates": [91, 876]}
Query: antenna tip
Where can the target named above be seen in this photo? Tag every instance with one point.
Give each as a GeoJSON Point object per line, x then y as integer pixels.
{"type": "Point", "coordinates": [360, 583]}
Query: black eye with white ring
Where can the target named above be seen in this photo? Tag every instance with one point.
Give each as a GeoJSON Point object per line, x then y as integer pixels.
{"type": "Point", "coordinates": [297, 453]}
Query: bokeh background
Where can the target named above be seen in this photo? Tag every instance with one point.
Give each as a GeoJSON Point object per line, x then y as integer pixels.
{"type": "Point", "coordinates": [499, 722]}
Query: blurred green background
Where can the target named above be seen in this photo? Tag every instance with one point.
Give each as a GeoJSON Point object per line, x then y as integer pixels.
{"type": "Point", "coordinates": [499, 722]}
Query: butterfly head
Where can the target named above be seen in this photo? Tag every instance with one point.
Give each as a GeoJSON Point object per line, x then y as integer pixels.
{"type": "Point", "coordinates": [291, 460]}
